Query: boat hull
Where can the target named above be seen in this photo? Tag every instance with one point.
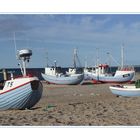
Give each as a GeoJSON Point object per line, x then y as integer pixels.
{"type": "Point", "coordinates": [128, 91]}
{"type": "Point", "coordinates": [23, 95]}
{"type": "Point", "coordinates": [62, 80]}
{"type": "Point", "coordinates": [106, 78]}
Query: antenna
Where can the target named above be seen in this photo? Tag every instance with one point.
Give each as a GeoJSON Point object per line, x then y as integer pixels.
{"type": "Point", "coordinates": [15, 45]}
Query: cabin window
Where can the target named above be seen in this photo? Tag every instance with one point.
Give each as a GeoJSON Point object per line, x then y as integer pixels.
{"type": "Point", "coordinates": [126, 75]}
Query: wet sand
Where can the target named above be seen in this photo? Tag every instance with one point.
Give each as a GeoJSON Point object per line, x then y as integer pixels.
{"type": "Point", "coordinates": [77, 105]}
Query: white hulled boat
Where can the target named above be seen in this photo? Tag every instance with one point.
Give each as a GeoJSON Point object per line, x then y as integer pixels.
{"type": "Point", "coordinates": [52, 76]}
{"type": "Point", "coordinates": [100, 74]}
{"type": "Point", "coordinates": [22, 92]}
{"type": "Point", "coordinates": [126, 90]}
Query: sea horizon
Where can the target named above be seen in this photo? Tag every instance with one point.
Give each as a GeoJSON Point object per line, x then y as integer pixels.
{"type": "Point", "coordinates": [37, 71]}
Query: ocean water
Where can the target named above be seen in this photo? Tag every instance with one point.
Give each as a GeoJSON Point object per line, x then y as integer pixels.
{"type": "Point", "coordinates": [37, 71]}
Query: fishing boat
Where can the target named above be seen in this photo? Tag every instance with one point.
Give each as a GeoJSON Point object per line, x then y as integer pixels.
{"type": "Point", "coordinates": [20, 92]}
{"type": "Point", "coordinates": [100, 73]}
{"type": "Point", "coordinates": [64, 79]}
{"type": "Point", "coordinates": [53, 76]}
{"type": "Point", "coordinates": [126, 90]}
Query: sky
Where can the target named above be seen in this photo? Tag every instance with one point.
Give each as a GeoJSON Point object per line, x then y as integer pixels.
{"type": "Point", "coordinates": [56, 35]}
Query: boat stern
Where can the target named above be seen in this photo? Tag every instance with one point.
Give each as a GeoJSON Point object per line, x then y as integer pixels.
{"type": "Point", "coordinates": [36, 94]}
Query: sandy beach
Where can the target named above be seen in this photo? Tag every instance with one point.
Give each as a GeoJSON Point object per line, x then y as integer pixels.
{"type": "Point", "coordinates": [77, 105]}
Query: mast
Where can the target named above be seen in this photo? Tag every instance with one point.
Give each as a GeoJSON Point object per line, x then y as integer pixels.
{"type": "Point", "coordinates": [55, 67]}
{"type": "Point", "coordinates": [24, 67]}
{"type": "Point", "coordinates": [122, 56]}
{"type": "Point", "coordinates": [47, 59]}
{"type": "Point", "coordinates": [85, 62]}
{"type": "Point", "coordinates": [97, 57]}
{"type": "Point", "coordinates": [74, 58]}
{"type": "Point", "coordinates": [24, 56]}
{"type": "Point", "coordinates": [109, 60]}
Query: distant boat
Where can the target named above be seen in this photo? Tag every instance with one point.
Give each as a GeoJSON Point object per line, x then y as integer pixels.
{"type": "Point", "coordinates": [100, 73]}
{"type": "Point", "coordinates": [64, 79]}
{"type": "Point", "coordinates": [123, 90]}
{"type": "Point", "coordinates": [21, 92]}
{"type": "Point", "coordinates": [54, 77]}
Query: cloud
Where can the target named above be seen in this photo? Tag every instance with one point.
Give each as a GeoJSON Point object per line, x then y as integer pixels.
{"type": "Point", "coordinates": [61, 33]}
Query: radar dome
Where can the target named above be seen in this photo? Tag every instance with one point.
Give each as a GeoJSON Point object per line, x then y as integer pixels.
{"type": "Point", "coordinates": [25, 53]}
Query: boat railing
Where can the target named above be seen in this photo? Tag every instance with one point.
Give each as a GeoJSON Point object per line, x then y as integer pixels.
{"type": "Point", "coordinates": [126, 68]}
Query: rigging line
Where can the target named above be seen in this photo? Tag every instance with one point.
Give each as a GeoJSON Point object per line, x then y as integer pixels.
{"type": "Point", "coordinates": [115, 60]}
{"type": "Point", "coordinates": [48, 61]}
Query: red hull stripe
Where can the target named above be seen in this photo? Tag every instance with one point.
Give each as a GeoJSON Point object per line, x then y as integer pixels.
{"type": "Point", "coordinates": [111, 81]}
{"type": "Point", "coordinates": [15, 88]}
{"type": "Point", "coordinates": [115, 81]}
